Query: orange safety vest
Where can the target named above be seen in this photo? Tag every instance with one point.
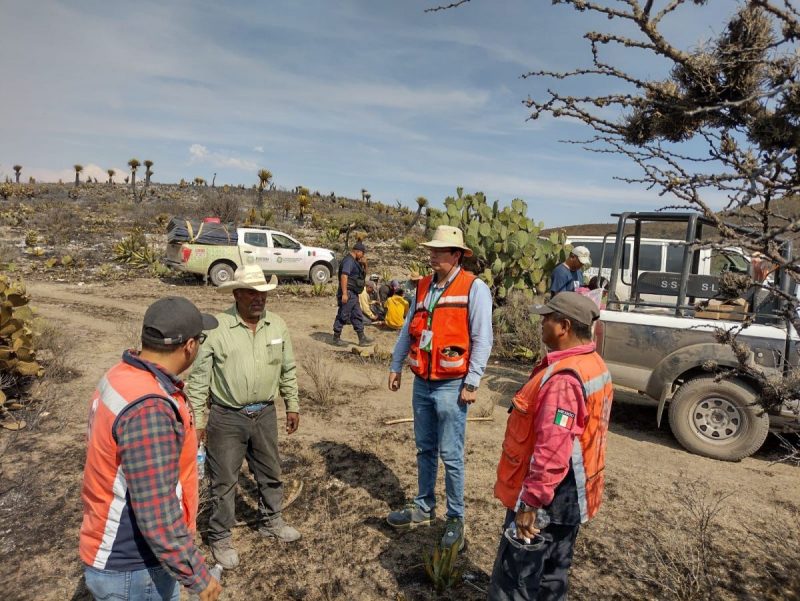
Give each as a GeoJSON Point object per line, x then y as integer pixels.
{"type": "Point", "coordinates": [589, 453]}
{"type": "Point", "coordinates": [449, 322]}
{"type": "Point", "coordinates": [109, 537]}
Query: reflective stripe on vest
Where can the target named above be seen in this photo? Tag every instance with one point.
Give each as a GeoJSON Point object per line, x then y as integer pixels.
{"type": "Point", "coordinates": [448, 358]}
{"type": "Point", "coordinates": [588, 452]}
{"type": "Point", "coordinates": [107, 537]}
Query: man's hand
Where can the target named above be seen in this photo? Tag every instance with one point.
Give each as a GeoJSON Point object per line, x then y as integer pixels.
{"type": "Point", "coordinates": [292, 422]}
{"type": "Point", "coordinates": [394, 381]}
{"type": "Point", "coordinates": [201, 436]}
{"type": "Point", "coordinates": [525, 524]}
{"type": "Point", "coordinates": [345, 297]}
{"type": "Point", "coordinates": [212, 591]}
{"type": "Point", "coordinates": [468, 397]}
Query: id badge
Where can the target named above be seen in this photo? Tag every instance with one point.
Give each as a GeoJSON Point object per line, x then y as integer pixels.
{"type": "Point", "coordinates": [425, 340]}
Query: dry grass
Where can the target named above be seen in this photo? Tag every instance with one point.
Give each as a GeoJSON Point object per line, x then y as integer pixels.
{"type": "Point", "coordinates": [324, 378]}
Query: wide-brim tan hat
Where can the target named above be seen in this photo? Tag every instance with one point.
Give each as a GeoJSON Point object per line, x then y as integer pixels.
{"type": "Point", "coordinates": [249, 277]}
{"type": "Point", "coordinates": [447, 236]}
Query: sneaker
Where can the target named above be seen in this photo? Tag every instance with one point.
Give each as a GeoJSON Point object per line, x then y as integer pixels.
{"type": "Point", "coordinates": [224, 553]}
{"type": "Point", "coordinates": [410, 516]}
{"type": "Point", "coordinates": [279, 529]}
{"type": "Point", "coordinates": [453, 533]}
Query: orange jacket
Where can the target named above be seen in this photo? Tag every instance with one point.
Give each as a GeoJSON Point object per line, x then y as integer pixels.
{"type": "Point", "coordinates": [587, 453]}
{"type": "Point", "coordinates": [449, 322]}
{"type": "Point", "coordinates": [107, 527]}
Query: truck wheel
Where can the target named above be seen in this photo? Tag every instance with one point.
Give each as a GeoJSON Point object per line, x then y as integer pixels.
{"type": "Point", "coordinates": [319, 274]}
{"type": "Point", "coordinates": [718, 419]}
{"type": "Point", "coordinates": [220, 273]}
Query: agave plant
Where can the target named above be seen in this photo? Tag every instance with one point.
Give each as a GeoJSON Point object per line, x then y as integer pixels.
{"type": "Point", "coordinates": [441, 567]}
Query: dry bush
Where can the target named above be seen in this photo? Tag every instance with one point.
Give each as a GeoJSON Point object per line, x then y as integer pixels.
{"type": "Point", "coordinates": [56, 353]}
{"type": "Point", "coordinates": [517, 333]}
{"type": "Point", "coordinates": [224, 205]}
{"type": "Point", "coordinates": [680, 559]}
{"type": "Point", "coordinates": [8, 253]}
{"type": "Point", "coordinates": [324, 379]}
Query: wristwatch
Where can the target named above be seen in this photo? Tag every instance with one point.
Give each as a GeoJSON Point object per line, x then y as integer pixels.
{"type": "Point", "coordinates": [470, 388]}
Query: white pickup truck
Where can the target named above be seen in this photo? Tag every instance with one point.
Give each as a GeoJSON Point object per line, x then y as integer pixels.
{"type": "Point", "coordinates": [275, 252]}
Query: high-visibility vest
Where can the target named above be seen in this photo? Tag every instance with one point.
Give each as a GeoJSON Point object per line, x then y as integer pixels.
{"type": "Point", "coordinates": [109, 537]}
{"type": "Point", "coordinates": [448, 357]}
{"type": "Point", "coordinates": [589, 451]}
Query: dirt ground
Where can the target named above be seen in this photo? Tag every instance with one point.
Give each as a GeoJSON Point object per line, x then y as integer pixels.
{"type": "Point", "coordinates": [355, 468]}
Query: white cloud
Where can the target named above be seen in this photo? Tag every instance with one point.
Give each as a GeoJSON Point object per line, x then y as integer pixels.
{"type": "Point", "coordinates": [259, 149]}
{"type": "Point", "coordinates": [201, 154]}
{"type": "Point", "coordinates": [43, 174]}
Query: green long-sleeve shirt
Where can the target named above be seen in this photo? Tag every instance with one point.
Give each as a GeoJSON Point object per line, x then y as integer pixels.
{"type": "Point", "coordinates": [240, 367]}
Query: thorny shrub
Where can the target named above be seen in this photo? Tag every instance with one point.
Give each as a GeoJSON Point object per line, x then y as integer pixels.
{"type": "Point", "coordinates": [517, 333]}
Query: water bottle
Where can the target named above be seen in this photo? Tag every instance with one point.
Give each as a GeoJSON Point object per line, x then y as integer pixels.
{"type": "Point", "coordinates": [201, 462]}
{"type": "Point", "coordinates": [216, 572]}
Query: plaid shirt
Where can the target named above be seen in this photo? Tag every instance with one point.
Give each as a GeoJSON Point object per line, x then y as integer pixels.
{"type": "Point", "coordinates": [149, 440]}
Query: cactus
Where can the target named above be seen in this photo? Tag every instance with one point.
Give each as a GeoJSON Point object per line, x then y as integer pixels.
{"type": "Point", "coordinates": [509, 252]}
{"type": "Point", "coordinates": [17, 349]}
{"type": "Point", "coordinates": [441, 568]}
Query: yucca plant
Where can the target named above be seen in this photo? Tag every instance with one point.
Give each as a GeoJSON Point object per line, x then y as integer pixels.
{"type": "Point", "coordinates": [134, 165]}
{"type": "Point", "coordinates": [17, 169]}
{"type": "Point", "coordinates": [264, 175]}
{"type": "Point", "coordinates": [111, 174]}
{"type": "Point", "coordinates": [78, 169]}
{"type": "Point", "coordinates": [441, 567]}
{"type": "Point", "coordinates": [147, 174]}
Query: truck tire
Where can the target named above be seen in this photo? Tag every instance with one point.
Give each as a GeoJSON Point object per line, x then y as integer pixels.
{"type": "Point", "coordinates": [319, 274]}
{"type": "Point", "coordinates": [220, 273]}
{"type": "Point", "coordinates": [718, 419]}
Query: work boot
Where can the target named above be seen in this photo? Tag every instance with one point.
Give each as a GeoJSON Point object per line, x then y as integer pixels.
{"type": "Point", "coordinates": [279, 529]}
{"type": "Point", "coordinates": [453, 533]}
{"type": "Point", "coordinates": [337, 340]}
{"type": "Point", "coordinates": [411, 516]}
{"type": "Point", "coordinates": [224, 553]}
{"type": "Point", "coordinates": [364, 340]}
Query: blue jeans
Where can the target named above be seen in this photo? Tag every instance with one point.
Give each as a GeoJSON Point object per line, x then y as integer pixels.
{"type": "Point", "coordinates": [149, 584]}
{"type": "Point", "coordinates": [440, 422]}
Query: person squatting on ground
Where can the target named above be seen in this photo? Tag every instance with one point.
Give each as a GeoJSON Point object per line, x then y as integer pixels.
{"type": "Point", "coordinates": [567, 276]}
{"type": "Point", "coordinates": [553, 456]}
{"type": "Point", "coordinates": [447, 337]}
{"type": "Point", "coordinates": [352, 277]}
{"type": "Point", "coordinates": [137, 536]}
{"type": "Point", "coordinates": [396, 308]}
{"type": "Point", "coordinates": [243, 366]}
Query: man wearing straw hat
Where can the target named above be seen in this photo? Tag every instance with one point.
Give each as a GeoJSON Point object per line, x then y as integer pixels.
{"type": "Point", "coordinates": [447, 338]}
{"type": "Point", "coordinates": [242, 367]}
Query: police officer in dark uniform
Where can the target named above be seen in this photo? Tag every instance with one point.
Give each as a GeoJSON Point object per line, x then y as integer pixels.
{"type": "Point", "coordinates": [352, 277]}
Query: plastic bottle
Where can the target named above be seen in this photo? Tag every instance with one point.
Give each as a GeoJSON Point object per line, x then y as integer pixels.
{"type": "Point", "coordinates": [216, 572]}
{"type": "Point", "coordinates": [201, 462]}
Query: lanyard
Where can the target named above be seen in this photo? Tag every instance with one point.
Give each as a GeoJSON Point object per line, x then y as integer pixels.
{"type": "Point", "coordinates": [435, 301]}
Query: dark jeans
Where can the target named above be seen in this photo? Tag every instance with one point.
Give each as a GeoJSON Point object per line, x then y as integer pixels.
{"type": "Point", "coordinates": [232, 436]}
{"type": "Point", "coordinates": [535, 572]}
{"type": "Point", "coordinates": [349, 312]}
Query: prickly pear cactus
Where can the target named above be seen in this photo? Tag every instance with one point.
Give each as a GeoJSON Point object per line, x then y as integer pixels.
{"type": "Point", "coordinates": [17, 351]}
{"type": "Point", "coordinates": [509, 252]}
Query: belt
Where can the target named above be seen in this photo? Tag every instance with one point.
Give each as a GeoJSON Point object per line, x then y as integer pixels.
{"type": "Point", "coordinates": [250, 410]}
{"type": "Point", "coordinates": [256, 408]}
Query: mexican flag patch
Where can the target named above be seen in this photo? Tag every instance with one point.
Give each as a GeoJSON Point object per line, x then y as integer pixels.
{"type": "Point", "coordinates": [564, 418]}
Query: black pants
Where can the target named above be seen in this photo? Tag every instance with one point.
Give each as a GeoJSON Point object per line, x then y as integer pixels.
{"type": "Point", "coordinates": [349, 312]}
{"type": "Point", "coordinates": [535, 572]}
{"type": "Point", "coordinates": [230, 437]}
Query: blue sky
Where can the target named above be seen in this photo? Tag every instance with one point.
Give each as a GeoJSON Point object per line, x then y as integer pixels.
{"type": "Point", "coordinates": [336, 96]}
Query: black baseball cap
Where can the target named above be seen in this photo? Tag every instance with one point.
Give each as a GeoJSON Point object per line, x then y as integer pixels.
{"type": "Point", "coordinates": [174, 320]}
{"type": "Point", "coordinates": [360, 246]}
{"type": "Point", "coordinates": [570, 304]}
